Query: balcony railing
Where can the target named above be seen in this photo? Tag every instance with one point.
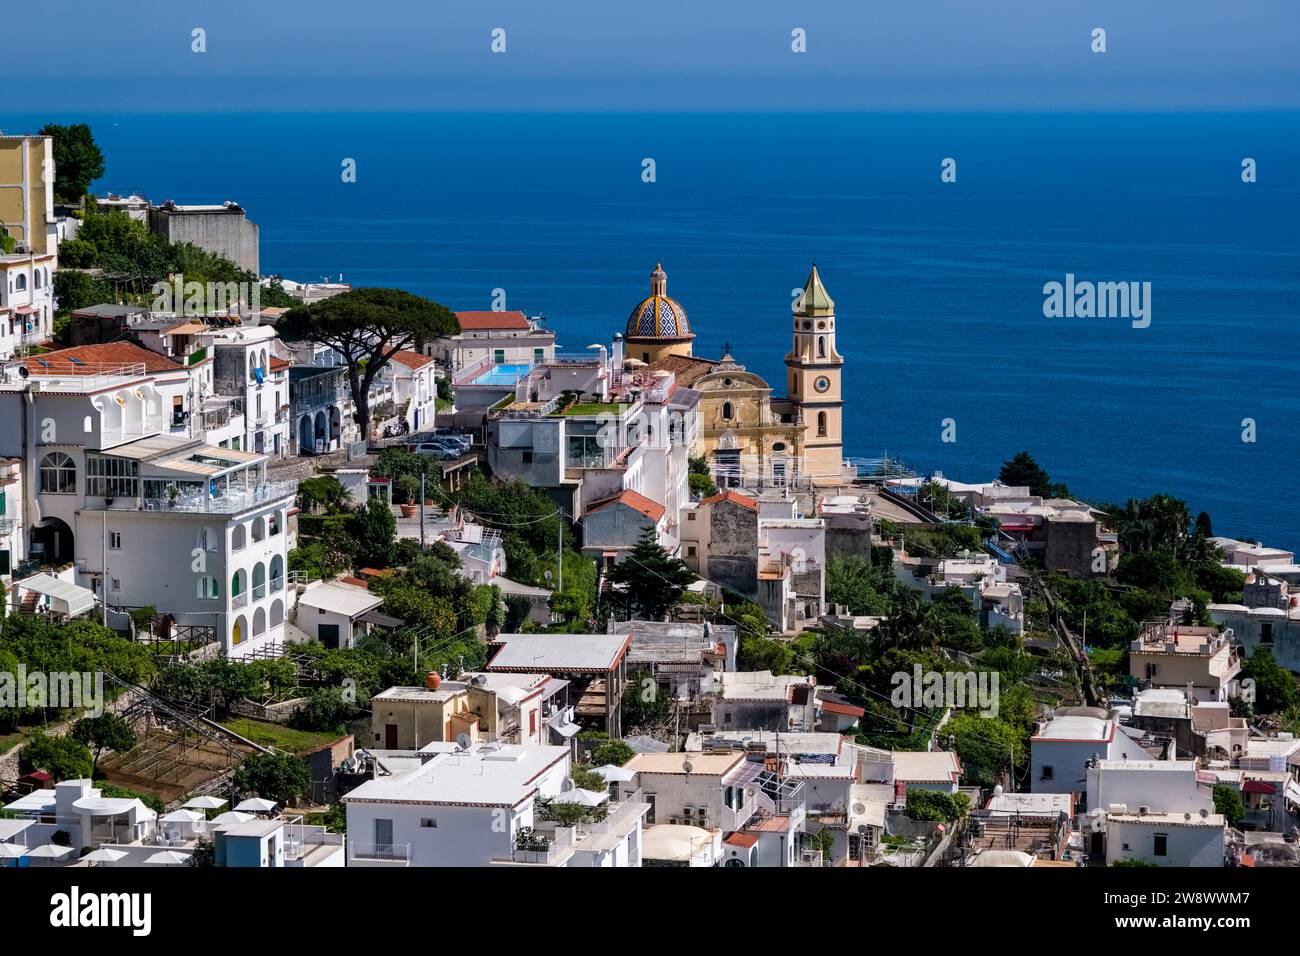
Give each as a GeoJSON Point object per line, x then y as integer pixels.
{"type": "Point", "coordinates": [259, 591]}
{"type": "Point", "coordinates": [399, 853]}
{"type": "Point", "coordinates": [277, 585]}
{"type": "Point", "coordinates": [230, 503]}
{"type": "Point", "coordinates": [238, 601]}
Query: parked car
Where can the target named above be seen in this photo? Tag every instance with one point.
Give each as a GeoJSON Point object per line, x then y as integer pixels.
{"type": "Point", "coordinates": [455, 439]}
{"type": "Point", "coordinates": [437, 448]}
{"type": "Point", "coordinates": [452, 434]}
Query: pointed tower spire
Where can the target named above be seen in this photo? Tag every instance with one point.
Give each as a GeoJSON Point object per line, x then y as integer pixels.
{"type": "Point", "coordinates": [815, 299]}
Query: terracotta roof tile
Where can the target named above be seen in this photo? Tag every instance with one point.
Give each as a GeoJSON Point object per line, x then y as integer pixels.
{"type": "Point", "coordinates": [411, 359]}
{"type": "Point", "coordinates": [635, 500]}
{"type": "Point", "coordinates": [734, 497]}
{"type": "Point", "coordinates": [479, 321]}
{"type": "Point", "coordinates": [91, 359]}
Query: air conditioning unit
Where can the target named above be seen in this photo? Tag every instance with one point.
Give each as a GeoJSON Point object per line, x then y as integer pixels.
{"type": "Point", "coordinates": [689, 812]}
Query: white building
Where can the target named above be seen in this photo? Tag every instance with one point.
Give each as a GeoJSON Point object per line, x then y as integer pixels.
{"type": "Point", "coordinates": [461, 808]}
{"type": "Point", "coordinates": [334, 612]}
{"type": "Point", "coordinates": [1158, 786]}
{"type": "Point", "coordinates": [499, 338]}
{"type": "Point", "coordinates": [243, 370]}
{"type": "Point", "coordinates": [1166, 839]}
{"type": "Point", "coordinates": [113, 497]}
{"type": "Point", "coordinates": [26, 302]}
{"type": "Point", "coordinates": [1060, 752]}
{"type": "Point", "coordinates": [415, 388]}
{"type": "Point", "coordinates": [982, 579]}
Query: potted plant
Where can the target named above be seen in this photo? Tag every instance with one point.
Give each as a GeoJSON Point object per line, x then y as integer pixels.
{"type": "Point", "coordinates": [408, 486]}
{"type": "Point", "coordinates": [172, 494]}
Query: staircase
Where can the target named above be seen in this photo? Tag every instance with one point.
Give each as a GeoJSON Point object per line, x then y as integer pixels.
{"type": "Point", "coordinates": [28, 606]}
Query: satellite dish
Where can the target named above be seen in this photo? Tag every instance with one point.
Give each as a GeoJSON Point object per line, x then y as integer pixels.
{"type": "Point", "coordinates": [687, 766]}
{"type": "Point", "coordinates": [463, 741]}
{"type": "Point", "coordinates": [859, 809]}
{"type": "Point", "coordinates": [1187, 816]}
{"type": "Point", "coordinates": [863, 829]}
{"type": "Point", "coordinates": [1204, 813]}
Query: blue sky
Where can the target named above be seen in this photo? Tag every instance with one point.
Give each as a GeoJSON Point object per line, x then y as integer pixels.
{"type": "Point", "coordinates": [272, 55]}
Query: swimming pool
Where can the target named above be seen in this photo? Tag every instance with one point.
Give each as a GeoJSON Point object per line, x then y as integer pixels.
{"type": "Point", "coordinates": [502, 375]}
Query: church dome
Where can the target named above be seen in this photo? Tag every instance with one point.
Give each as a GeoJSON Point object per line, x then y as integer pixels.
{"type": "Point", "coordinates": [657, 316]}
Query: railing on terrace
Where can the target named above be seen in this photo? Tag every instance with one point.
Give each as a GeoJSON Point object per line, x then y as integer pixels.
{"type": "Point", "coordinates": [90, 376]}
{"type": "Point", "coordinates": [238, 601]}
{"type": "Point", "coordinates": [380, 853]}
{"type": "Point", "coordinates": [530, 409]}
{"type": "Point", "coordinates": [809, 858]}
{"type": "Point", "coordinates": [259, 591]}
{"type": "Point", "coordinates": [222, 416]}
{"type": "Point", "coordinates": [6, 526]}
{"type": "Point", "coordinates": [197, 356]}
{"type": "Point", "coordinates": [467, 374]}
{"type": "Point", "coordinates": [277, 585]}
{"type": "Point", "coordinates": [229, 503]}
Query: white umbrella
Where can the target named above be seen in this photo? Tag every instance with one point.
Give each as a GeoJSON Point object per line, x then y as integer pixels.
{"type": "Point", "coordinates": [204, 803]}
{"type": "Point", "coordinates": [255, 805]}
{"type": "Point", "coordinates": [11, 851]}
{"type": "Point", "coordinates": [183, 816]}
{"type": "Point", "coordinates": [585, 798]}
{"type": "Point", "coordinates": [613, 772]}
{"type": "Point", "coordinates": [230, 816]}
{"type": "Point", "coordinates": [167, 858]}
{"type": "Point", "coordinates": [106, 855]}
{"type": "Point", "coordinates": [49, 851]}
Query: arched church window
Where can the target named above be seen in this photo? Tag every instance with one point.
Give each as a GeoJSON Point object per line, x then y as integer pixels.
{"type": "Point", "coordinates": [821, 346]}
{"type": "Point", "coordinates": [726, 411]}
{"type": "Point", "coordinates": [821, 424]}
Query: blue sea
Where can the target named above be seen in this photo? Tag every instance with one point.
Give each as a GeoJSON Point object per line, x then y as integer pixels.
{"type": "Point", "coordinates": [938, 286]}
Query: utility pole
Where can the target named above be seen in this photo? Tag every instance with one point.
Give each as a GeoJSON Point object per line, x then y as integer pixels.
{"type": "Point", "coordinates": [422, 477]}
{"type": "Point", "coordinates": [103, 564]}
{"type": "Point", "coordinates": [559, 547]}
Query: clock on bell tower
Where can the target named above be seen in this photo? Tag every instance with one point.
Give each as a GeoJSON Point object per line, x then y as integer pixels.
{"type": "Point", "coordinates": [814, 380]}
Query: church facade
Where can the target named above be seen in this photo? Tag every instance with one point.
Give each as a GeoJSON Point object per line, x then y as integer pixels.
{"type": "Point", "coordinates": [749, 437]}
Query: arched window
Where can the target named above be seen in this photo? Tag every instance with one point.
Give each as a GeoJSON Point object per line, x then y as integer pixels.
{"type": "Point", "coordinates": [259, 529]}
{"type": "Point", "coordinates": [726, 411]}
{"type": "Point", "coordinates": [208, 589]}
{"type": "Point", "coordinates": [238, 538]}
{"type": "Point", "coordinates": [821, 346]}
{"type": "Point", "coordinates": [208, 539]}
{"type": "Point", "coordinates": [821, 424]}
{"type": "Point", "coordinates": [20, 284]}
{"type": "Point", "coordinates": [36, 282]}
{"type": "Point", "coordinates": [58, 474]}
{"type": "Point", "coordinates": [274, 521]}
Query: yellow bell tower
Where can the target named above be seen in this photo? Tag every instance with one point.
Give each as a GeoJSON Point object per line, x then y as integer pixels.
{"type": "Point", "coordinates": [814, 381]}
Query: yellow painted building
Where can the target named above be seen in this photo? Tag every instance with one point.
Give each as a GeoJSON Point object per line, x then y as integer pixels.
{"type": "Point", "coordinates": [749, 436]}
{"type": "Point", "coordinates": [27, 192]}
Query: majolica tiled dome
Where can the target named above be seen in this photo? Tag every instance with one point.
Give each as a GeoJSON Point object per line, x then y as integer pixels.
{"type": "Point", "coordinates": [658, 316]}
